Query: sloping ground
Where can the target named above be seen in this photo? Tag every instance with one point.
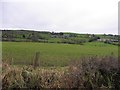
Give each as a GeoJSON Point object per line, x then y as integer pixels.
{"type": "Point", "coordinates": [53, 54]}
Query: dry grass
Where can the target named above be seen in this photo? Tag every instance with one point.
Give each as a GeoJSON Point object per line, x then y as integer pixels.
{"type": "Point", "coordinates": [89, 72]}
{"type": "Point", "coordinates": [96, 72]}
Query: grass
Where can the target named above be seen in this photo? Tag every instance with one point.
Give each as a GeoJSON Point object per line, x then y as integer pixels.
{"type": "Point", "coordinates": [86, 73]}
{"type": "Point", "coordinates": [91, 65]}
{"type": "Point", "coordinates": [52, 54]}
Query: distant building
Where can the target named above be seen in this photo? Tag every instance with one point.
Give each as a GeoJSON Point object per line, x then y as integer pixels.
{"type": "Point", "coordinates": [103, 40]}
{"type": "Point", "coordinates": [66, 35]}
{"type": "Point", "coordinates": [60, 36]}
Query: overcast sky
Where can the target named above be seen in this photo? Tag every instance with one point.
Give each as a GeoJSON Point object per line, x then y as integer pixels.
{"type": "Point", "coordinates": [79, 16]}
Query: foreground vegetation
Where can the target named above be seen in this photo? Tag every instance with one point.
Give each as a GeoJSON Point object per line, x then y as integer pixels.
{"type": "Point", "coordinates": [34, 60]}
{"type": "Point", "coordinates": [88, 72]}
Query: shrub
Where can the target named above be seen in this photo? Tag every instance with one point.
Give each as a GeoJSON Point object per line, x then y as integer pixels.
{"type": "Point", "coordinates": [97, 72]}
{"type": "Point", "coordinates": [88, 72]}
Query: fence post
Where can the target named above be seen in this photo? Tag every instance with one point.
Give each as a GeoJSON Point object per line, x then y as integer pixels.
{"type": "Point", "coordinates": [36, 60]}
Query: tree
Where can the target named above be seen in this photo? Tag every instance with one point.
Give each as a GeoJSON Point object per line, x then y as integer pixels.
{"type": "Point", "coordinates": [93, 39]}
{"type": "Point", "coordinates": [23, 36]}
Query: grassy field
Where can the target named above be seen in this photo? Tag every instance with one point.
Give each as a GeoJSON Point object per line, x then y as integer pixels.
{"type": "Point", "coordinates": [101, 71]}
{"type": "Point", "coordinates": [52, 54]}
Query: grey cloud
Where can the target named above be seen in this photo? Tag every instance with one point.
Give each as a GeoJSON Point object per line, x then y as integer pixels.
{"type": "Point", "coordinates": [60, 15]}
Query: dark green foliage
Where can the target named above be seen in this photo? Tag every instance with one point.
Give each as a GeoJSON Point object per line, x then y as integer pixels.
{"type": "Point", "coordinates": [24, 36]}
{"type": "Point", "coordinates": [93, 38]}
{"type": "Point", "coordinates": [107, 41]}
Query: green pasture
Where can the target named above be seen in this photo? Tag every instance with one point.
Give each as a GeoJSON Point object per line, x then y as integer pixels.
{"type": "Point", "coordinates": [52, 54]}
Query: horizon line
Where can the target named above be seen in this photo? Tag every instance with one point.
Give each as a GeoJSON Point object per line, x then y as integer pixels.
{"type": "Point", "coordinates": [46, 30]}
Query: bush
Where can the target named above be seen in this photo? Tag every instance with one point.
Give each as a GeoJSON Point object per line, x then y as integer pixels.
{"type": "Point", "coordinates": [96, 72]}
{"type": "Point", "coordinates": [93, 39]}
{"type": "Point", "coordinates": [88, 72]}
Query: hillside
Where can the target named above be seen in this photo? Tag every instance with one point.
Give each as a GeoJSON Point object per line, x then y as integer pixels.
{"type": "Point", "coordinates": [53, 37]}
